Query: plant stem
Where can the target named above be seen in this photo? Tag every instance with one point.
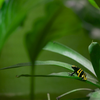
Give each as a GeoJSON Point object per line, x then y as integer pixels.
{"type": "Point", "coordinates": [48, 96]}
{"type": "Point", "coordinates": [32, 84]}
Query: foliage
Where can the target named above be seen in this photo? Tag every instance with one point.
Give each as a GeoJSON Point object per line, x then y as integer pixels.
{"type": "Point", "coordinates": [94, 50]}
{"type": "Point", "coordinates": [95, 3]}
{"type": "Point", "coordinates": [95, 95]}
{"type": "Point", "coordinates": [55, 21]}
{"type": "Point", "coordinates": [1, 2]}
{"type": "Point", "coordinates": [66, 51]}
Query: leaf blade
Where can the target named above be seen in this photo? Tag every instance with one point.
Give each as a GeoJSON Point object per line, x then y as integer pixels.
{"type": "Point", "coordinates": [1, 2]}
{"type": "Point", "coordinates": [52, 25]}
{"type": "Point", "coordinates": [95, 3]}
{"type": "Point", "coordinates": [50, 62]}
{"type": "Point", "coordinates": [94, 95]}
{"type": "Point", "coordinates": [63, 75]}
{"type": "Point", "coordinates": [94, 50]}
{"type": "Point", "coordinates": [75, 90]}
{"type": "Point", "coordinates": [68, 52]}
{"type": "Point", "coordinates": [12, 13]}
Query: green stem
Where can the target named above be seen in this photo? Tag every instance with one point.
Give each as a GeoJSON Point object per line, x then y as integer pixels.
{"type": "Point", "coordinates": [48, 96]}
{"type": "Point", "coordinates": [32, 84]}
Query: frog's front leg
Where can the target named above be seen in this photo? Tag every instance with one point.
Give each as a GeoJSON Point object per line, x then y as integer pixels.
{"type": "Point", "coordinates": [71, 74]}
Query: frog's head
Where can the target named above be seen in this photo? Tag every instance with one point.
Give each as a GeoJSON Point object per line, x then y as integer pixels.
{"type": "Point", "coordinates": [74, 67]}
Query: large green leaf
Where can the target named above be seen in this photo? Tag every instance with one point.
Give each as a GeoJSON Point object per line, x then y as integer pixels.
{"type": "Point", "coordinates": [68, 52]}
{"type": "Point", "coordinates": [94, 50]}
{"type": "Point", "coordinates": [58, 21]}
{"type": "Point", "coordinates": [63, 75]}
{"type": "Point", "coordinates": [12, 13]}
{"type": "Point", "coordinates": [57, 63]}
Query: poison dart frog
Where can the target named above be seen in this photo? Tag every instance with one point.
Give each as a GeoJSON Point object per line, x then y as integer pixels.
{"type": "Point", "coordinates": [79, 72]}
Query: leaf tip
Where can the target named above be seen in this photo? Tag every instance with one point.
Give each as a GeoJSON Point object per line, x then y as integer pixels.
{"type": "Point", "coordinates": [93, 44]}
{"type": "Point", "coordinates": [17, 76]}
{"type": "Point", "coordinates": [95, 4]}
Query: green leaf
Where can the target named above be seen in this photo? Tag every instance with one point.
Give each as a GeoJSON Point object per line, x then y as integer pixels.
{"type": "Point", "coordinates": [57, 21]}
{"type": "Point", "coordinates": [12, 14]}
{"type": "Point", "coordinates": [90, 18]}
{"type": "Point", "coordinates": [63, 75]}
{"type": "Point", "coordinates": [60, 74]}
{"type": "Point", "coordinates": [75, 90]}
{"type": "Point", "coordinates": [94, 3]}
{"type": "Point", "coordinates": [68, 52]}
{"type": "Point", "coordinates": [17, 65]}
{"type": "Point", "coordinates": [98, 2]}
{"type": "Point", "coordinates": [94, 50]}
{"type": "Point", "coordinates": [57, 63]}
{"type": "Point", "coordinates": [95, 95]}
{"type": "Point", "coordinates": [1, 2]}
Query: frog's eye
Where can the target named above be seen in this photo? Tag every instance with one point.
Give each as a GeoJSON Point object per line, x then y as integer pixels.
{"type": "Point", "coordinates": [74, 66]}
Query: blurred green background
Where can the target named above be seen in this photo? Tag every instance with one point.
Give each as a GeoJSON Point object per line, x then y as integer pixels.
{"type": "Point", "coordinates": [14, 52]}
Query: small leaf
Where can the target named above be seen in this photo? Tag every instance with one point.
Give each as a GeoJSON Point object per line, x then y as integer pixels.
{"type": "Point", "coordinates": [63, 75]}
{"type": "Point", "coordinates": [94, 50]}
{"type": "Point", "coordinates": [75, 90]}
{"type": "Point", "coordinates": [95, 95]}
{"type": "Point", "coordinates": [68, 52]}
{"type": "Point", "coordinates": [94, 3]}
